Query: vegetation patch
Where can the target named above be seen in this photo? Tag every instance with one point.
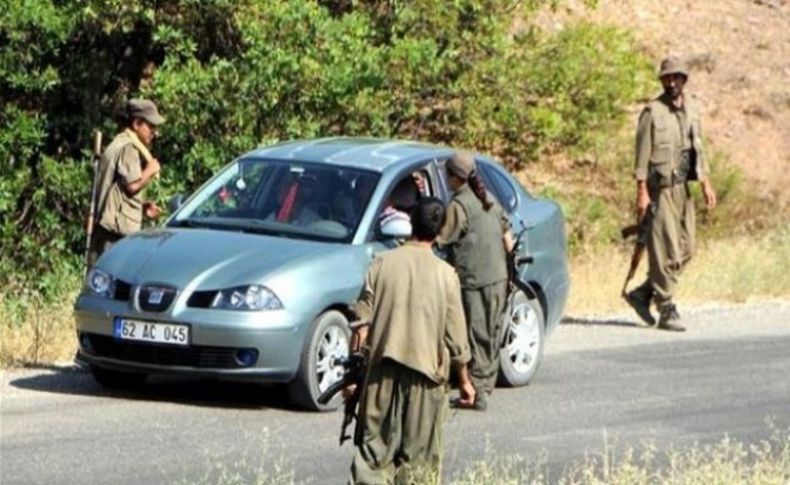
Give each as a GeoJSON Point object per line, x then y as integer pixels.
{"type": "Point", "coordinates": [230, 76]}
{"type": "Point", "coordinates": [728, 461]}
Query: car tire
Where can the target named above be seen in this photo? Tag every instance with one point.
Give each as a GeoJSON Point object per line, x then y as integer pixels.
{"type": "Point", "coordinates": [328, 339]}
{"type": "Point", "coordinates": [521, 353]}
{"type": "Point", "coordinates": [113, 379]}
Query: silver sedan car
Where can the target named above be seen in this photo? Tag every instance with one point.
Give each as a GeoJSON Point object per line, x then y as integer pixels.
{"type": "Point", "coordinates": [252, 277]}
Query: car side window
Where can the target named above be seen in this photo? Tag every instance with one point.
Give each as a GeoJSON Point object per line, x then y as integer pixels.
{"type": "Point", "coordinates": [500, 186]}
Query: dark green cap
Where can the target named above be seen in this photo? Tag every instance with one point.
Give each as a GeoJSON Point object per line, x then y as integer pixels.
{"type": "Point", "coordinates": [145, 110]}
{"type": "Point", "coordinates": [673, 65]}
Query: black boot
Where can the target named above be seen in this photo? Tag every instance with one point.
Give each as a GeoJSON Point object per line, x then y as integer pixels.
{"type": "Point", "coordinates": [639, 299]}
{"type": "Point", "coordinates": [669, 319]}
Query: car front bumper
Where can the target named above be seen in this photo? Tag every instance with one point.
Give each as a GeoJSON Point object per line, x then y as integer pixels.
{"type": "Point", "coordinates": [216, 338]}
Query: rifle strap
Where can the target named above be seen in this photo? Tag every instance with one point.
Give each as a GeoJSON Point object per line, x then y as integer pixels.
{"type": "Point", "coordinates": [139, 145]}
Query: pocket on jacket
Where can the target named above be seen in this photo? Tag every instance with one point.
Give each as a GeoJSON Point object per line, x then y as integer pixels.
{"type": "Point", "coordinates": [130, 219]}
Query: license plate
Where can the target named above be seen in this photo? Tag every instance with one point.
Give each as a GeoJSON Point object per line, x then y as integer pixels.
{"type": "Point", "coordinates": [161, 333]}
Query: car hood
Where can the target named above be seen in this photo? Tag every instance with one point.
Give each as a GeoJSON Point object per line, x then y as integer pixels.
{"type": "Point", "coordinates": [205, 259]}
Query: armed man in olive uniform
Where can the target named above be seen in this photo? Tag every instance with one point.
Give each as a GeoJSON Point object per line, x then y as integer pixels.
{"type": "Point", "coordinates": [477, 237]}
{"type": "Point", "coordinates": [669, 154]}
{"type": "Point", "coordinates": [125, 169]}
{"type": "Point", "coordinates": [413, 329]}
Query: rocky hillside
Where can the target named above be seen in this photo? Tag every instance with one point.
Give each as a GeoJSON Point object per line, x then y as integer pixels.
{"type": "Point", "coordinates": [739, 51]}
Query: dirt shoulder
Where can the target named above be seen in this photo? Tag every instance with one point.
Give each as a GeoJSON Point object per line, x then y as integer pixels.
{"type": "Point", "coordinates": [739, 51]}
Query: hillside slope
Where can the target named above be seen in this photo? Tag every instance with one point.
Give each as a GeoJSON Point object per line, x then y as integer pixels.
{"type": "Point", "coordinates": [739, 51]}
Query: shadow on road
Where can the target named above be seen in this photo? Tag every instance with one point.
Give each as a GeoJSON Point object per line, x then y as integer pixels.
{"type": "Point", "coordinates": [194, 392]}
{"type": "Point", "coordinates": [617, 322]}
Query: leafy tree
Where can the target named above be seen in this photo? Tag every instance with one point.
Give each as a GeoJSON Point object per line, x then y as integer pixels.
{"type": "Point", "coordinates": [232, 75]}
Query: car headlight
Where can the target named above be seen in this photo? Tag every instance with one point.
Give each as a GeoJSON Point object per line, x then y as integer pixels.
{"type": "Point", "coordinates": [100, 283]}
{"type": "Point", "coordinates": [248, 298]}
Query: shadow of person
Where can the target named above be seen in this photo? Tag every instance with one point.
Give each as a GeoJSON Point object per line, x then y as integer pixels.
{"type": "Point", "coordinates": [188, 391]}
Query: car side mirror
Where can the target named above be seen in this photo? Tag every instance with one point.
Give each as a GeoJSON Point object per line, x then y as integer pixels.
{"type": "Point", "coordinates": [175, 202]}
{"type": "Point", "coordinates": [396, 228]}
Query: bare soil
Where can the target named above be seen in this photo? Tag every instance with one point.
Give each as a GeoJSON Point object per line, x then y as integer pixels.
{"type": "Point", "coordinates": [739, 52]}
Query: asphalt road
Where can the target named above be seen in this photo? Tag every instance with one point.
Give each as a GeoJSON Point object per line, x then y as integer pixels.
{"type": "Point", "coordinates": [604, 382]}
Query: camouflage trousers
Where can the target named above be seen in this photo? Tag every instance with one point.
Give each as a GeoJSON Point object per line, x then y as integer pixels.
{"type": "Point", "coordinates": [671, 241]}
{"type": "Point", "coordinates": [399, 428]}
{"type": "Point", "coordinates": [483, 310]}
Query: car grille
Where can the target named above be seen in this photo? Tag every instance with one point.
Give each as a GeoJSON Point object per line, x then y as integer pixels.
{"type": "Point", "coordinates": [154, 298]}
{"type": "Point", "coordinates": [192, 356]}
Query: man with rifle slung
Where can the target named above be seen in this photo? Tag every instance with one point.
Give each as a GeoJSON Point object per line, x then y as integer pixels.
{"type": "Point", "coordinates": [125, 169]}
{"type": "Point", "coordinates": [413, 332]}
{"type": "Point", "coordinates": [668, 155]}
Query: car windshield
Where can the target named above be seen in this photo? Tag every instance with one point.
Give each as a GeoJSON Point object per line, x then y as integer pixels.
{"type": "Point", "coordinates": [288, 199]}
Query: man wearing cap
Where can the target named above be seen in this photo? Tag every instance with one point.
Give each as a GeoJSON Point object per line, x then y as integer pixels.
{"type": "Point", "coordinates": [411, 325]}
{"type": "Point", "coordinates": [477, 237]}
{"type": "Point", "coordinates": [125, 169]}
{"type": "Point", "coordinates": [668, 155]}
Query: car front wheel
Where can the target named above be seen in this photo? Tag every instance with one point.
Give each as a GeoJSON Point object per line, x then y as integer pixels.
{"type": "Point", "coordinates": [318, 367]}
{"type": "Point", "coordinates": [522, 347]}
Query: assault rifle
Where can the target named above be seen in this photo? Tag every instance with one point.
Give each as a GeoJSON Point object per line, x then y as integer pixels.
{"type": "Point", "coordinates": [355, 366]}
{"type": "Point", "coordinates": [515, 259]}
{"type": "Point", "coordinates": [638, 230]}
{"type": "Point", "coordinates": [89, 224]}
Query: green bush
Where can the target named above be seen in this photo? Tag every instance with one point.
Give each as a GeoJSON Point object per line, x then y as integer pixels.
{"type": "Point", "coordinates": [230, 76]}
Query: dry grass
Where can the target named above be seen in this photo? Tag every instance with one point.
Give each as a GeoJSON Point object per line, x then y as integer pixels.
{"type": "Point", "coordinates": [737, 269]}
{"type": "Point", "coordinates": [36, 333]}
{"type": "Point", "coordinates": [727, 462]}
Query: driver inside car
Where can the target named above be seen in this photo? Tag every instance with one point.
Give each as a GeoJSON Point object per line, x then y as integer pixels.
{"type": "Point", "coordinates": [298, 202]}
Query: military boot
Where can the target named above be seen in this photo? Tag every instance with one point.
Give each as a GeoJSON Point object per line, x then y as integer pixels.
{"type": "Point", "coordinates": [669, 319]}
{"type": "Point", "coordinates": [639, 299]}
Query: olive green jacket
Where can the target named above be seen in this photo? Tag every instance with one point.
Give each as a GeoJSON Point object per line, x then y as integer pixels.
{"type": "Point", "coordinates": [473, 237]}
{"type": "Point", "coordinates": [120, 165]}
{"type": "Point", "coordinates": [662, 134]}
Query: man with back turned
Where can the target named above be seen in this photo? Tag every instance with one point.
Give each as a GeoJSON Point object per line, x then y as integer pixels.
{"type": "Point", "coordinates": [413, 330]}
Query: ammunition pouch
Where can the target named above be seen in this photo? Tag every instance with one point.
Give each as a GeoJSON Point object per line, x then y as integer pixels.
{"type": "Point", "coordinates": [663, 176]}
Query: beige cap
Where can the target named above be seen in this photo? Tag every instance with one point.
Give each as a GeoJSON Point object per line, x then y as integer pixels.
{"type": "Point", "coordinates": [144, 109]}
{"type": "Point", "coordinates": [461, 164]}
{"type": "Point", "coordinates": [673, 65]}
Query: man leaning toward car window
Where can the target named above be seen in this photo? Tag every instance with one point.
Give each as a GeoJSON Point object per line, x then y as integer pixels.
{"type": "Point", "coordinates": [126, 168]}
{"type": "Point", "coordinates": [412, 327]}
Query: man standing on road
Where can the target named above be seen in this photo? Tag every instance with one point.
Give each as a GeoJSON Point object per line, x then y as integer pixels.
{"type": "Point", "coordinates": [477, 237]}
{"type": "Point", "coordinates": [125, 169]}
{"type": "Point", "coordinates": [413, 330]}
{"type": "Point", "coordinates": [668, 155]}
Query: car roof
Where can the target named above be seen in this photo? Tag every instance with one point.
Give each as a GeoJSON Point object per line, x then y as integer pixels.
{"type": "Point", "coordinates": [365, 153]}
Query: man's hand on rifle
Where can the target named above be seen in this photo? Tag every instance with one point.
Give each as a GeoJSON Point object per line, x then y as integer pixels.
{"type": "Point", "coordinates": [642, 199]}
{"type": "Point", "coordinates": [152, 168]}
{"type": "Point", "coordinates": [359, 337]}
{"type": "Point", "coordinates": [348, 391]}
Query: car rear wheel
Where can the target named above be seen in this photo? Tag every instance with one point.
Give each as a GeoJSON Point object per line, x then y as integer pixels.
{"type": "Point", "coordinates": [522, 347]}
{"type": "Point", "coordinates": [318, 369]}
{"type": "Point", "coordinates": [113, 379]}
